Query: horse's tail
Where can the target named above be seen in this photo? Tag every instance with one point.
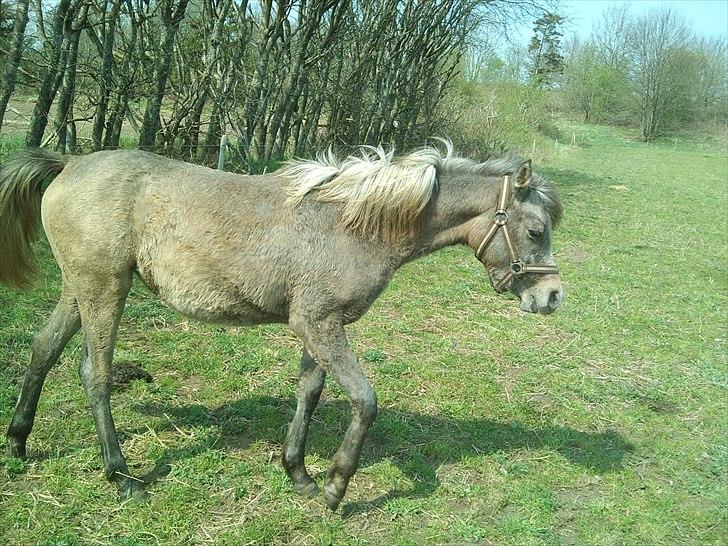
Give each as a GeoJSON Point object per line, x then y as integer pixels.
{"type": "Point", "coordinates": [21, 180]}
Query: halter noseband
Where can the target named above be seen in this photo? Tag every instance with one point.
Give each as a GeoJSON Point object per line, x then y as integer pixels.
{"type": "Point", "coordinates": [517, 266]}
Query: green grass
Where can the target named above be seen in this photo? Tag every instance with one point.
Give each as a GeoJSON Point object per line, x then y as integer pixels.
{"type": "Point", "coordinates": [602, 424]}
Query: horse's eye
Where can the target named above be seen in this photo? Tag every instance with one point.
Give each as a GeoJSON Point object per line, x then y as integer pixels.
{"type": "Point", "coordinates": [534, 233]}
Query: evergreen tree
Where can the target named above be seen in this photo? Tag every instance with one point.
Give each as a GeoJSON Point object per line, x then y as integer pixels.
{"type": "Point", "coordinates": [547, 62]}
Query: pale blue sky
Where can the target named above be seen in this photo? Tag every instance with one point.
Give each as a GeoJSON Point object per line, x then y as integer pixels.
{"type": "Point", "coordinates": [706, 17]}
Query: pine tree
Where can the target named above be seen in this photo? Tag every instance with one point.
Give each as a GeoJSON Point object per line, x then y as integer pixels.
{"type": "Point", "coordinates": [545, 49]}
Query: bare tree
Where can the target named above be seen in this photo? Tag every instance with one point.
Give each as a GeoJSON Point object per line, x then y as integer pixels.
{"type": "Point", "coordinates": [286, 75]}
{"type": "Point", "coordinates": [656, 42]}
{"type": "Point", "coordinates": [109, 11]}
{"type": "Point", "coordinates": [611, 35]}
{"type": "Point", "coordinates": [649, 68]}
{"type": "Point", "coordinates": [595, 87]}
{"type": "Point", "coordinates": [711, 79]}
{"type": "Point", "coordinates": [124, 74]}
{"type": "Point", "coordinates": [54, 46]}
{"type": "Point", "coordinates": [171, 17]}
{"type": "Point", "coordinates": [64, 111]}
{"type": "Point", "coordinates": [14, 57]}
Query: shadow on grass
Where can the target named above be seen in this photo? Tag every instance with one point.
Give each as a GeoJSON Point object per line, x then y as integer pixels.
{"type": "Point", "coordinates": [418, 444]}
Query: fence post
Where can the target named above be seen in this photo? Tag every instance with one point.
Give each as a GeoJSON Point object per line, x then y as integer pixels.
{"type": "Point", "coordinates": [221, 153]}
{"type": "Point", "coordinates": [533, 148]}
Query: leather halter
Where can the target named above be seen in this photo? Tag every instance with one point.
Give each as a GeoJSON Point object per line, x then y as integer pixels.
{"type": "Point", "coordinates": [517, 267]}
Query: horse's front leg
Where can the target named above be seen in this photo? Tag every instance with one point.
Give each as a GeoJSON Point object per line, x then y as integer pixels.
{"type": "Point", "coordinates": [310, 385]}
{"type": "Point", "coordinates": [326, 342]}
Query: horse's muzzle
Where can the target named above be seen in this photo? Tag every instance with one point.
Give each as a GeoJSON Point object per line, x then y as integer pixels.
{"type": "Point", "coordinates": [533, 302]}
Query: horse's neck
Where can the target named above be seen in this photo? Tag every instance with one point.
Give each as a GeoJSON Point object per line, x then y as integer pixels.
{"type": "Point", "coordinates": [453, 214]}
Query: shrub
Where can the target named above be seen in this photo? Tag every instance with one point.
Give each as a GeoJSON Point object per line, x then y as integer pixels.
{"type": "Point", "coordinates": [490, 119]}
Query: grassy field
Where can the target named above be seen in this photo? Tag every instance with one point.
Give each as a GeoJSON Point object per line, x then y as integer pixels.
{"type": "Point", "coordinates": [598, 425]}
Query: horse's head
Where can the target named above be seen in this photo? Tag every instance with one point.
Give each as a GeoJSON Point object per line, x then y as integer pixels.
{"type": "Point", "coordinates": [514, 241]}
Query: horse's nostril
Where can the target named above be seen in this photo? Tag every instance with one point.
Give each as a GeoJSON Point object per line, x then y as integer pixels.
{"type": "Point", "coordinates": [554, 299]}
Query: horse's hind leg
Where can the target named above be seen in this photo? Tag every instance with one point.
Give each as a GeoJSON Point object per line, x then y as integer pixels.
{"type": "Point", "coordinates": [101, 307]}
{"type": "Point", "coordinates": [310, 385]}
{"type": "Point", "coordinates": [46, 348]}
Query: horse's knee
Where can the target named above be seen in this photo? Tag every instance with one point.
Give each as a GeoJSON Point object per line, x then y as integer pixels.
{"type": "Point", "coordinates": [365, 405]}
{"type": "Point", "coordinates": [48, 344]}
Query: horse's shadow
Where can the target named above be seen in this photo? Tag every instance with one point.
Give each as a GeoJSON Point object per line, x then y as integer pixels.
{"type": "Point", "coordinates": [418, 444]}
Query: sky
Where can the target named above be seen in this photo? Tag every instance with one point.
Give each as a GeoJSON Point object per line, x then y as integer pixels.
{"type": "Point", "coordinates": [706, 17]}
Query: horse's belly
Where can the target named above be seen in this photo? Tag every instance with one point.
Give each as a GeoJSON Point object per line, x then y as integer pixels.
{"type": "Point", "coordinates": [214, 300]}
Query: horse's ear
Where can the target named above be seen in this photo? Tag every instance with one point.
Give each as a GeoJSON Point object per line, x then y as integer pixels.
{"type": "Point", "coordinates": [522, 175]}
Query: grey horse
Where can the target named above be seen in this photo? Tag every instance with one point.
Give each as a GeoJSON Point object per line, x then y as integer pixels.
{"type": "Point", "coordinates": [311, 246]}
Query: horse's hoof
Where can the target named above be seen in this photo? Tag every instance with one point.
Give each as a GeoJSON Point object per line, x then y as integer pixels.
{"type": "Point", "coordinates": [133, 492]}
{"type": "Point", "coordinates": [309, 489]}
{"type": "Point", "coordinates": [331, 498]}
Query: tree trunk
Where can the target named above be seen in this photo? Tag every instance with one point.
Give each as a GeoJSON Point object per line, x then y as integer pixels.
{"type": "Point", "coordinates": [68, 88]}
{"type": "Point", "coordinates": [15, 54]}
{"type": "Point", "coordinates": [150, 125]}
{"type": "Point", "coordinates": [107, 60]}
{"type": "Point", "coordinates": [115, 119]}
{"type": "Point", "coordinates": [49, 86]}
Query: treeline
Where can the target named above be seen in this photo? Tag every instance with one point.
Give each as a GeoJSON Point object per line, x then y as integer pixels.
{"type": "Point", "coordinates": [650, 70]}
{"type": "Point", "coordinates": [285, 77]}
{"type": "Point", "coordinates": [290, 77]}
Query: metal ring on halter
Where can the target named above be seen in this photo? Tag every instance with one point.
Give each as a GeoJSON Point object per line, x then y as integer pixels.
{"type": "Point", "coordinates": [500, 218]}
{"type": "Point", "coordinates": [518, 267]}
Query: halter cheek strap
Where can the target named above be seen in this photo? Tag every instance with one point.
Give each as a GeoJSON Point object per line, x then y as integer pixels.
{"type": "Point", "coordinates": [517, 266]}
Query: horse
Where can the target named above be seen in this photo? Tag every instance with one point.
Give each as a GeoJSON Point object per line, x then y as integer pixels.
{"type": "Point", "coordinates": [311, 246]}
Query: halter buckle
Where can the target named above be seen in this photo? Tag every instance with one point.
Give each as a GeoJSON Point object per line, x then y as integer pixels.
{"type": "Point", "coordinates": [500, 217]}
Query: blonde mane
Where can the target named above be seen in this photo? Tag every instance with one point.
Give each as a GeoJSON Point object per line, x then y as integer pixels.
{"type": "Point", "coordinates": [385, 195]}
